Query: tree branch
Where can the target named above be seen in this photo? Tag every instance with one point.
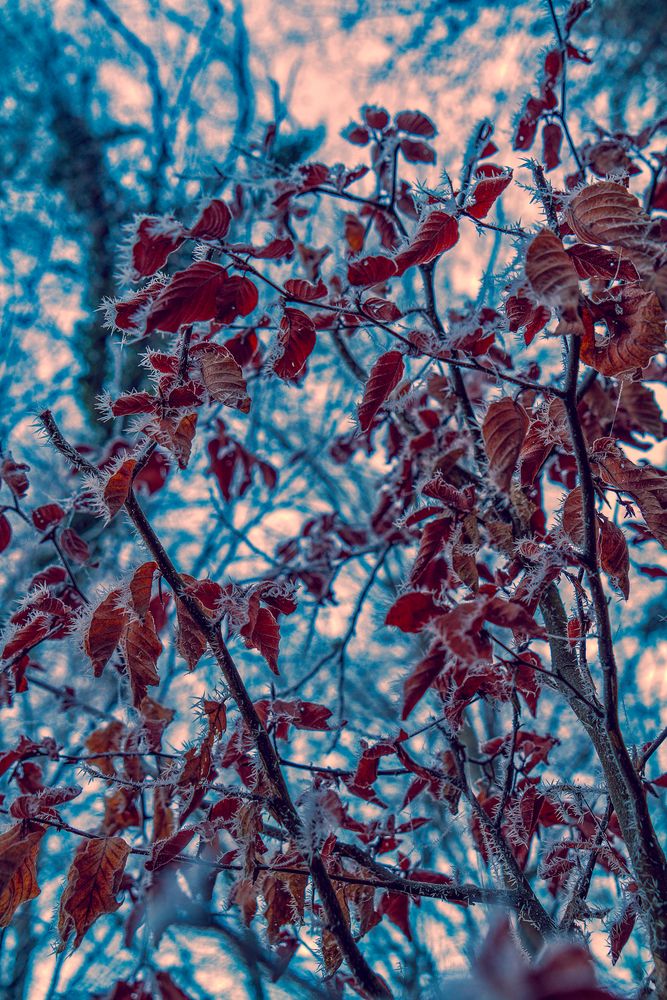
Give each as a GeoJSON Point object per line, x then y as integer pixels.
{"type": "Point", "coordinates": [282, 803]}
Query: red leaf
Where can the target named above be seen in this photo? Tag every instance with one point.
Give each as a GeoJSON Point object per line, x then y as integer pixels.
{"type": "Point", "coordinates": [191, 641]}
{"type": "Point", "coordinates": [524, 134]}
{"type": "Point", "coordinates": [154, 240]}
{"type": "Point", "coordinates": [93, 882]}
{"type": "Point", "coordinates": [27, 636]}
{"type": "Point", "coordinates": [436, 233]}
{"type": "Point", "coordinates": [416, 123]}
{"type": "Point", "coordinates": [19, 850]}
{"type": "Point", "coordinates": [417, 152]}
{"type": "Point", "coordinates": [213, 221]}
{"type": "Point", "coordinates": [552, 138]}
{"type": "Point", "coordinates": [374, 116]}
{"type": "Point", "coordinates": [432, 542]}
{"type": "Point", "coordinates": [385, 375]}
{"type": "Point", "coordinates": [355, 232]}
{"type": "Point", "coordinates": [421, 678]}
{"type": "Point", "coordinates": [574, 12]}
{"type": "Point", "coordinates": [263, 633]}
{"type": "Point", "coordinates": [238, 296]}
{"type": "Point", "coordinates": [14, 474]}
{"type": "Point", "coordinates": [636, 326]}
{"type": "Point", "coordinates": [272, 251]}
{"type": "Point", "coordinates": [621, 929]}
{"type": "Point", "coordinates": [190, 297]}
{"type": "Point", "coordinates": [527, 680]}
{"type": "Point", "coordinates": [553, 65]}
{"type": "Point", "coordinates": [606, 213]}
{"type": "Point", "coordinates": [459, 500]}
{"type": "Point", "coordinates": [503, 430]}
{"type": "Point", "coordinates": [42, 802]}
{"type": "Point", "coordinates": [654, 572]}
{"type": "Point", "coordinates": [358, 135]}
{"type": "Point", "coordinates": [371, 270]}
{"type": "Point", "coordinates": [223, 377]}
{"type": "Point", "coordinates": [104, 631]}
{"type": "Point", "coordinates": [133, 402]}
{"type": "Point", "coordinates": [461, 632]}
{"type": "Point", "coordinates": [572, 517]}
{"type": "Point", "coordinates": [47, 515]}
{"type": "Point", "coordinates": [485, 193]}
{"type": "Point", "coordinates": [129, 314]}
{"type": "Point", "coordinates": [598, 262]}
{"type": "Point", "coordinates": [164, 851]}
{"type": "Point", "coordinates": [395, 906]}
{"type": "Point", "coordinates": [523, 312]}
{"type": "Point", "coordinates": [178, 438]}
{"type": "Point", "coordinates": [645, 483]}
{"type": "Point", "coordinates": [141, 587]}
{"type": "Point", "coordinates": [510, 614]}
{"type": "Point", "coordinates": [298, 288]}
{"type": "Point", "coordinates": [296, 341]}
{"type": "Point", "coordinates": [381, 310]}
{"type": "Point", "coordinates": [552, 275]}
{"type": "Point", "coordinates": [5, 532]}
{"type": "Point", "coordinates": [412, 611]}
{"type": "Point", "coordinates": [300, 714]}
{"type": "Point", "coordinates": [142, 647]}
{"type": "Point", "coordinates": [614, 556]}
{"type": "Point", "coordinates": [74, 546]}
{"type": "Point", "coordinates": [118, 487]}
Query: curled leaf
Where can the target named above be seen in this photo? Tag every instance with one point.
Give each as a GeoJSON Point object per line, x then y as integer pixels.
{"type": "Point", "coordinates": [606, 213]}
{"type": "Point", "coordinates": [636, 327]}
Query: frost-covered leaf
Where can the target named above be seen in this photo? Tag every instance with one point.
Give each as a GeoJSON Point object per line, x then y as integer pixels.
{"type": "Point", "coordinates": [606, 213]}
{"type": "Point", "coordinates": [191, 296]}
{"type": "Point", "coordinates": [223, 377]}
{"type": "Point", "coordinates": [93, 882]}
{"type": "Point", "coordinates": [436, 233]}
{"type": "Point", "coordinates": [19, 849]}
{"type": "Point", "coordinates": [296, 340]}
{"type": "Point", "coordinates": [117, 487]}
